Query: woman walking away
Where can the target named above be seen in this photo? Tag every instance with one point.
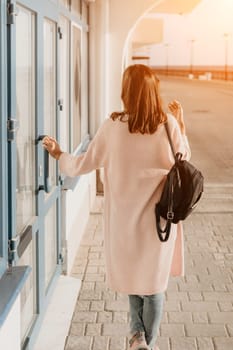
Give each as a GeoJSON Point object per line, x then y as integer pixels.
{"type": "Point", "coordinates": [133, 149]}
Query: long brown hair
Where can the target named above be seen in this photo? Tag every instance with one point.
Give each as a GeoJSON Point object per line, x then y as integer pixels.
{"type": "Point", "coordinates": [141, 100]}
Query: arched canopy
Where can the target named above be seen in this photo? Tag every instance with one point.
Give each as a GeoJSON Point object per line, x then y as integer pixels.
{"type": "Point", "coordinates": [123, 19]}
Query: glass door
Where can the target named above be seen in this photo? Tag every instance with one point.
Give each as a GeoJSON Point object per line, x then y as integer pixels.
{"type": "Point", "coordinates": [34, 190]}
{"type": "Point", "coordinates": [25, 215]}
{"type": "Point", "coordinates": [50, 128]}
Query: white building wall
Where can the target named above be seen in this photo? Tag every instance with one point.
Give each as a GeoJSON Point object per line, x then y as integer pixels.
{"type": "Point", "coordinates": [76, 207]}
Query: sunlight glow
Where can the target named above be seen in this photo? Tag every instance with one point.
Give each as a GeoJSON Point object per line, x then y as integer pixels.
{"type": "Point", "coordinates": [209, 24]}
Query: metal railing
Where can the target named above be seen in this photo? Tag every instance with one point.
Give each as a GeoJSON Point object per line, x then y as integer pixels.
{"type": "Point", "coordinates": [198, 72]}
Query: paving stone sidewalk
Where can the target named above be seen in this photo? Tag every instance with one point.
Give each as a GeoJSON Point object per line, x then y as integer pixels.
{"type": "Point", "coordinates": [198, 312]}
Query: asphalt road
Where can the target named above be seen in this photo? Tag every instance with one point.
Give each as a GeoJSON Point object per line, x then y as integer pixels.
{"type": "Point", "coordinates": [208, 110]}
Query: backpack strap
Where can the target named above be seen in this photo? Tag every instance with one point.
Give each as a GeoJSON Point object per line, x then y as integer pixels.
{"type": "Point", "coordinates": [161, 231]}
{"type": "Point", "coordinates": [170, 140]}
{"type": "Point", "coordinates": [170, 216]}
{"type": "Point", "coordinates": [170, 213]}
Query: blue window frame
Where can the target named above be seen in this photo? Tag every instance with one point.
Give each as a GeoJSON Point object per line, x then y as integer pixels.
{"type": "Point", "coordinates": [3, 143]}
{"type": "Point", "coordinates": [77, 138]}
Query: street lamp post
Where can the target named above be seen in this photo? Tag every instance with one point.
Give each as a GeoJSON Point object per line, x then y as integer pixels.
{"type": "Point", "coordinates": [226, 36]}
{"type": "Point", "coordinates": [167, 57]}
{"type": "Point", "coordinates": [192, 42]}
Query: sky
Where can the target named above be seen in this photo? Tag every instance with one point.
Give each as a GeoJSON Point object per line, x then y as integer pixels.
{"type": "Point", "coordinates": [197, 36]}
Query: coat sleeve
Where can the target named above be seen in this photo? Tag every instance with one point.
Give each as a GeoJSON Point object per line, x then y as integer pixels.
{"type": "Point", "coordinates": [93, 159]}
{"type": "Point", "coordinates": [180, 141]}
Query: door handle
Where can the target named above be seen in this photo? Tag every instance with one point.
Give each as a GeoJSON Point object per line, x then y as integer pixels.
{"type": "Point", "coordinates": [47, 182]}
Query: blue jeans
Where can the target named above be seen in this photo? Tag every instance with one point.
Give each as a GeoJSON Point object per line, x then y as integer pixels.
{"type": "Point", "coordinates": [145, 315]}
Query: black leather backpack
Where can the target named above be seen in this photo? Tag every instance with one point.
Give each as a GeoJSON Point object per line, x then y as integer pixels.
{"type": "Point", "coordinates": [182, 191]}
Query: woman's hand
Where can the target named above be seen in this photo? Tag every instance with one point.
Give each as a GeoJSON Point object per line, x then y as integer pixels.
{"type": "Point", "coordinates": [51, 145]}
{"type": "Point", "coordinates": [177, 111]}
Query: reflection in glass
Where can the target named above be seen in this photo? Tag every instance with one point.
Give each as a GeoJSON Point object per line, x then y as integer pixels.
{"type": "Point", "coordinates": [25, 96]}
{"type": "Point", "coordinates": [64, 84]}
{"type": "Point", "coordinates": [76, 87]}
{"type": "Point", "coordinates": [50, 88]}
{"type": "Point", "coordinates": [50, 244]}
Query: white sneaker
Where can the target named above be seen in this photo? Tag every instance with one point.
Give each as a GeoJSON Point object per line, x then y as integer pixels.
{"type": "Point", "coordinates": [138, 342]}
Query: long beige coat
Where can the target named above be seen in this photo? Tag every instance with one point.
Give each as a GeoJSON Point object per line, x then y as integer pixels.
{"type": "Point", "coordinates": [135, 167]}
